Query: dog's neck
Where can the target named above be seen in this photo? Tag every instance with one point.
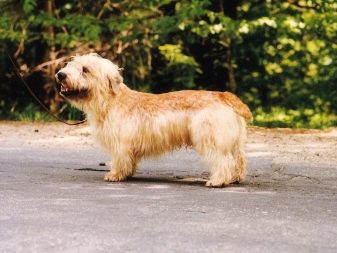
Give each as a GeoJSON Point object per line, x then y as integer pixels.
{"type": "Point", "coordinates": [98, 109]}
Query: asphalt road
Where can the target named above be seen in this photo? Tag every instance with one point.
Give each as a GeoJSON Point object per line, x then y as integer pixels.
{"type": "Point", "coordinates": [53, 199]}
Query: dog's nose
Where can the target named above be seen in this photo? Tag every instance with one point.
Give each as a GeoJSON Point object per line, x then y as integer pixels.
{"type": "Point", "coordinates": [61, 76]}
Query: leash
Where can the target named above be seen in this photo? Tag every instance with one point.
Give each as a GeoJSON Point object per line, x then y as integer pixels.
{"type": "Point", "coordinates": [38, 100]}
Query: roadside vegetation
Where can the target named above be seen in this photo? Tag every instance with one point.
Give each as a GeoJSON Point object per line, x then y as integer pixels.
{"type": "Point", "coordinates": [278, 56]}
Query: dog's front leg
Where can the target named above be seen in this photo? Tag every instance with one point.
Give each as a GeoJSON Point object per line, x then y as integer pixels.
{"type": "Point", "coordinates": [123, 166]}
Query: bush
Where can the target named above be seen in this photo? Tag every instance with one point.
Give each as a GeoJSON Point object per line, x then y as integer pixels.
{"type": "Point", "coordinates": [273, 54]}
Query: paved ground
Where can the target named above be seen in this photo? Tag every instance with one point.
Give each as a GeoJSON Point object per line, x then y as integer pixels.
{"type": "Point", "coordinates": [53, 199]}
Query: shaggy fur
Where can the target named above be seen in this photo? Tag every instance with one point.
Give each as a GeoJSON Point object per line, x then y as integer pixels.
{"type": "Point", "coordinates": [132, 125]}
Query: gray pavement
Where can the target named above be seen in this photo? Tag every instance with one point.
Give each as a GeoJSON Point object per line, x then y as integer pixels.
{"type": "Point", "coordinates": [53, 199]}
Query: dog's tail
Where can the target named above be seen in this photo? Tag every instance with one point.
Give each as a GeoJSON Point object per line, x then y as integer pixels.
{"type": "Point", "coordinates": [238, 106]}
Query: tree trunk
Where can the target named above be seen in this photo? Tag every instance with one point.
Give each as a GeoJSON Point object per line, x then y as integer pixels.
{"type": "Point", "coordinates": [228, 8]}
{"type": "Point", "coordinates": [50, 55]}
{"type": "Point", "coordinates": [230, 69]}
{"type": "Point", "coordinates": [50, 52]}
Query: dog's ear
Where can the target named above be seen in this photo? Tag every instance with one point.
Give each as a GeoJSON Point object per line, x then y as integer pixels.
{"type": "Point", "coordinates": [114, 82]}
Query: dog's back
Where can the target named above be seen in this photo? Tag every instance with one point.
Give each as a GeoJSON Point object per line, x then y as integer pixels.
{"type": "Point", "coordinates": [189, 100]}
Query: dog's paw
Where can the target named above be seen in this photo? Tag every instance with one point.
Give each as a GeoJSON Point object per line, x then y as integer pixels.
{"type": "Point", "coordinates": [114, 177]}
{"type": "Point", "coordinates": [212, 184]}
{"type": "Point", "coordinates": [216, 183]}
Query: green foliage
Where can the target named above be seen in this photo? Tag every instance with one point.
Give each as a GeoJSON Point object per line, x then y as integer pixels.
{"type": "Point", "coordinates": [183, 68]}
{"type": "Point", "coordinates": [28, 5]}
{"type": "Point", "coordinates": [279, 56]}
{"type": "Point", "coordinates": [281, 117]}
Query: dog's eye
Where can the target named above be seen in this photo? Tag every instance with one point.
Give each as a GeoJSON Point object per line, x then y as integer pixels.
{"type": "Point", "coordinates": [85, 69]}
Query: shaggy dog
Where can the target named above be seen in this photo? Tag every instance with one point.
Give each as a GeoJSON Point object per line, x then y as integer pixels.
{"type": "Point", "coordinates": [131, 125]}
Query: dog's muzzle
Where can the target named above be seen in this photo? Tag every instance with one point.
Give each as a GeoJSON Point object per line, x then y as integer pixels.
{"type": "Point", "coordinates": [66, 91]}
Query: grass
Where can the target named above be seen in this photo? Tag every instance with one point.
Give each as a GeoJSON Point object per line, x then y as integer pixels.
{"type": "Point", "coordinates": [33, 113]}
{"type": "Point", "coordinates": [273, 117]}
{"type": "Point", "coordinates": [29, 113]}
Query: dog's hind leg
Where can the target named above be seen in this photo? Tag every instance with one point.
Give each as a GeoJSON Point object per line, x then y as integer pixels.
{"type": "Point", "coordinates": [240, 165]}
{"type": "Point", "coordinates": [214, 136]}
{"type": "Point", "coordinates": [123, 167]}
{"type": "Point", "coordinates": [220, 166]}
{"type": "Point", "coordinates": [217, 157]}
{"type": "Point", "coordinates": [239, 154]}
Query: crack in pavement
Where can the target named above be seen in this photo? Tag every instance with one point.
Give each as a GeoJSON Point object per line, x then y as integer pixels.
{"type": "Point", "coordinates": [292, 176]}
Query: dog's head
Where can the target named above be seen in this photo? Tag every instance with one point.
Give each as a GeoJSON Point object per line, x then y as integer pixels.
{"type": "Point", "coordinates": [88, 76]}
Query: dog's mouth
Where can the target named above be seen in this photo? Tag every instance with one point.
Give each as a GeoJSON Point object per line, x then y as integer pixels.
{"type": "Point", "coordinates": [72, 93]}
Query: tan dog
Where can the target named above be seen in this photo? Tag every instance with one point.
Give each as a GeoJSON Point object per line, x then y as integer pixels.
{"type": "Point", "coordinates": [131, 125]}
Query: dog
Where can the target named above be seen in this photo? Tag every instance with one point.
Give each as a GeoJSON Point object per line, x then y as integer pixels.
{"type": "Point", "coordinates": [132, 125]}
